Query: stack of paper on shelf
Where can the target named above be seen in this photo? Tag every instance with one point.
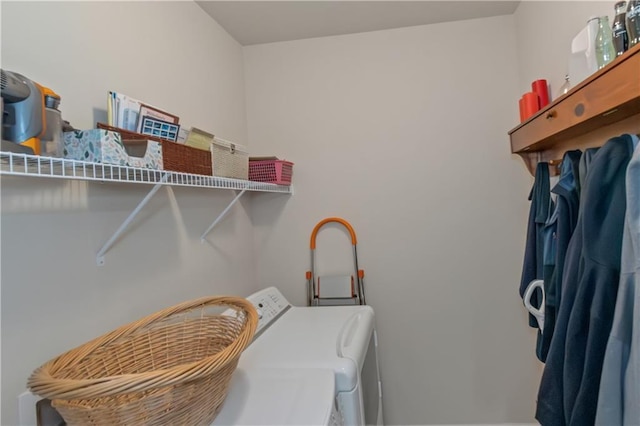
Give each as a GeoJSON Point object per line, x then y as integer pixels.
{"type": "Point", "coordinates": [129, 114]}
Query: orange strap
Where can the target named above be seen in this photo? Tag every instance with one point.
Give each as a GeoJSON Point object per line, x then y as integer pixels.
{"type": "Point", "coordinates": [320, 224]}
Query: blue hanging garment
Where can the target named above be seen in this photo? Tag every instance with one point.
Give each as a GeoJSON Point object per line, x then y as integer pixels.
{"type": "Point", "coordinates": [539, 212]}
{"type": "Point", "coordinates": [619, 397]}
{"type": "Point", "coordinates": [571, 378]}
{"type": "Point", "coordinates": [557, 233]}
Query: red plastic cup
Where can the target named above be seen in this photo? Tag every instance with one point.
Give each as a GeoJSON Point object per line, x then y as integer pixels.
{"type": "Point", "coordinates": [521, 106]}
{"type": "Point", "coordinates": [530, 104]}
{"type": "Point", "coordinates": [541, 88]}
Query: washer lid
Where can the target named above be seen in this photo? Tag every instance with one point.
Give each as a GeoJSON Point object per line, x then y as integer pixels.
{"type": "Point", "coordinates": [270, 396]}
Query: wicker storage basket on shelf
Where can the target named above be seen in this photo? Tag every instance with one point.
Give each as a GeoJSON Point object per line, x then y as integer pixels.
{"type": "Point", "coordinates": [229, 159]}
{"type": "Point", "coordinates": [176, 157]}
{"type": "Point", "coordinates": [172, 367]}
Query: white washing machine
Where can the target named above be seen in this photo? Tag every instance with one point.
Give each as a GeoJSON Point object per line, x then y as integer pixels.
{"type": "Point", "coordinates": [306, 366]}
{"type": "Point", "coordinates": [267, 396]}
{"type": "Point", "coordinates": [341, 339]}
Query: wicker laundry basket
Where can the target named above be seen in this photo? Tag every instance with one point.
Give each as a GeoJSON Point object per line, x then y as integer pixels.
{"type": "Point", "coordinates": [172, 367]}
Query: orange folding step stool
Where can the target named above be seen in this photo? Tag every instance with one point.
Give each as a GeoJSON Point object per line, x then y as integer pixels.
{"type": "Point", "coordinates": [336, 289]}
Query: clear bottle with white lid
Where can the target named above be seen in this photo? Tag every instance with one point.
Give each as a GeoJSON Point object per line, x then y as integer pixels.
{"type": "Point", "coordinates": [605, 51]}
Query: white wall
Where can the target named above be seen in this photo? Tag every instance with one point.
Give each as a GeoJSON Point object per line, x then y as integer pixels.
{"type": "Point", "coordinates": [404, 134]}
{"type": "Point", "coordinates": [54, 297]}
{"type": "Point", "coordinates": [544, 31]}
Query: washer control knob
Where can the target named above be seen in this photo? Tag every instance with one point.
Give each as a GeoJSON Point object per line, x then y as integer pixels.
{"type": "Point", "coordinates": [259, 311]}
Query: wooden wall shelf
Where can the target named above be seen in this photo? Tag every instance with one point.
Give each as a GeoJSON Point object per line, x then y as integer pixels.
{"type": "Point", "coordinates": [604, 105]}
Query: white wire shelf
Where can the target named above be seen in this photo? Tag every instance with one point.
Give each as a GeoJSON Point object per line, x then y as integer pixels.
{"type": "Point", "coordinates": [18, 164]}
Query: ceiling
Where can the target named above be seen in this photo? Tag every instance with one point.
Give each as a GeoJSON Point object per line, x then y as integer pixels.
{"type": "Point", "coordinates": [255, 22]}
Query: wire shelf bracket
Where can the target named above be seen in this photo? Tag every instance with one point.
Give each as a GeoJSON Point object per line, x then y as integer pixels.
{"type": "Point", "coordinates": [126, 223]}
{"type": "Point", "coordinates": [221, 215]}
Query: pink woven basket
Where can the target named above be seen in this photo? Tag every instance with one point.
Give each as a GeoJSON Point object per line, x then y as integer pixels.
{"type": "Point", "coordinates": [271, 171]}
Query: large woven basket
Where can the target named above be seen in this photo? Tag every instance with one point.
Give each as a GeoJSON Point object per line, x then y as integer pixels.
{"type": "Point", "coordinates": [169, 368]}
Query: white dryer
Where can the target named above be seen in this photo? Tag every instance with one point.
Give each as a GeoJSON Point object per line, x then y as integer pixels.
{"type": "Point", "coordinates": [337, 338]}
